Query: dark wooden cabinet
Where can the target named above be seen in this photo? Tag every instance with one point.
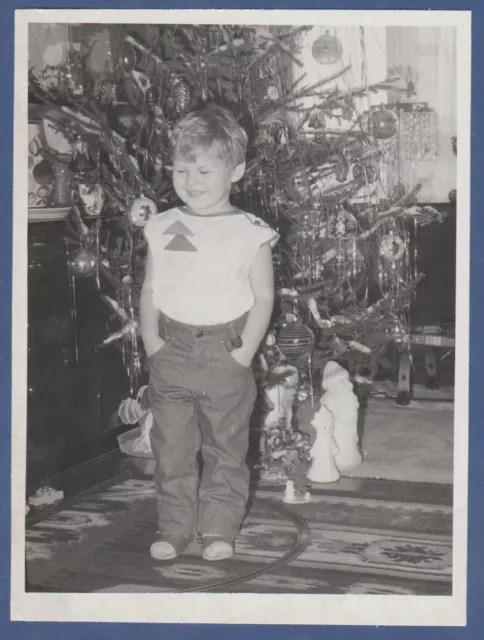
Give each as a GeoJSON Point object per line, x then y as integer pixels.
{"type": "Point", "coordinates": [436, 257]}
{"type": "Point", "coordinates": [73, 386]}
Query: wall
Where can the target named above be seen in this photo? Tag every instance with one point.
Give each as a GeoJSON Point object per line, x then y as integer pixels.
{"type": "Point", "coordinates": [47, 44]}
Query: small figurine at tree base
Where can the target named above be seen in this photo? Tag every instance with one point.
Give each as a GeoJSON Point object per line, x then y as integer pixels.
{"type": "Point", "coordinates": [293, 496]}
{"type": "Point", "coordinates": [323, 467]}
{"type": "Point", "coordinates": [335, 448]}
{"type": "Point", "coordinates": [295, 465]}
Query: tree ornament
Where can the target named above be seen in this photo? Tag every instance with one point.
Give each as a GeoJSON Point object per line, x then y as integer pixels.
{"type": "Point", "coordinates": [358, 171]}
{"type": "Point", "coordinates": [181, 94]}
{"type": "Point", "coordinates": [372, 171]}
{"type": "Point", "coordinates": [128, 57]}
{"type": "Point", "coordinates": [73, 77]}
{"type": "Point", "coordinates": [134, 91]}
{"type": "Point", "coordinates": [341, 225]}
{"type": "Point", "coordinates": [341, 169]}
{"type": "Point", "coordinates": [105, 92]}
{"type": "Point", "coordinates": [153, 96]}
{"type": "Point", "coordinates": [340, 266]}
{"type": "Point", "coordinates": [273, 93]}
{"type": "Point", "coordinates": [327, 49]}
{"type": "Point", "coordinates": [382, 123]}
{"type": "Point", "coordinates": [295, 339]}
{"type": "Point", "coordinates": [141, 210]}
{"type": "Point", "coordinates": [91, 197]}
{"type": "Point", "coordinates": [398, 332]}
{"type": "Point", "coordinates": [354, 257]}
{"type": "Point", "coordinates": [86, 191]}
{"type": "Point", "coordinates": [61, 194]}
{"type": "Point", "coordinates": [368, 170]}
{"type": "Point", "coordinates": [317, 119]}
{"type": "Point", "coordinates": [321, 138]}
{"type": "Point", "coordinates": [82, 164]}
{"type": "Point", "coordinates": [83, 263]}
{"type": "Point", "coordinates": [304, 392]}
{"type": "Point", "coordinates": [281, 133]}
{"type": "Point", "coordinates": [392, 247]}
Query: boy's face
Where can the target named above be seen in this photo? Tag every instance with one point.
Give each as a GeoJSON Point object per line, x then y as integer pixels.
{"type": "Point", "coordinates": [204, 181]}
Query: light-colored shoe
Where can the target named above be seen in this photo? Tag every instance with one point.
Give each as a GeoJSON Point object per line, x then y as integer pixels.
{"type": "Point", "coordinates": [217, 549]}
{"type": "Point", "coordinates": [168, 549]}
{"type": "Point", "coordinates": [162, 550]}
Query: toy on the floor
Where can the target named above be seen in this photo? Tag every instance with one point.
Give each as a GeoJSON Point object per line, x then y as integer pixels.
{"type": "Point", "coordinates": [292, 496]}
{"type": "Point", "coordinates": [137, 411]}
{"type": "Point", "coordinates": [45, 496]}
{"type": "Point", "coordinates": [336, 422]}
{"type": "Point", "coordinates": [281, 380]}
{"type": "Point", "coordinates": [279, 395]}
{"type": "Point", "coordinates": [280, 385]}
{"type": "Point", "coordinates": [132, 409]}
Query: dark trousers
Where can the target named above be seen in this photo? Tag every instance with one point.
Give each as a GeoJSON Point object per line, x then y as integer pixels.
{"type": "Point", "coordinates": [202, 400]}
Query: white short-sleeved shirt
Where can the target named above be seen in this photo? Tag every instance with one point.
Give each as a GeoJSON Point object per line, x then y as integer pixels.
{"type": "Point", "coordinates": [201, 263]}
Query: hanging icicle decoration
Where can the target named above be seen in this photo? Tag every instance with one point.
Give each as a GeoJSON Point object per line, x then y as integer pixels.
{"type": "Point", "coordinates": [72, 288]}
{"type": "Point", "coordinates": [415, 250]}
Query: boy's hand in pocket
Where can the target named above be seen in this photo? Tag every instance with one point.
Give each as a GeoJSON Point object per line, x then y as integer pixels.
{"type": "Point", "coordinates": [153, 345]}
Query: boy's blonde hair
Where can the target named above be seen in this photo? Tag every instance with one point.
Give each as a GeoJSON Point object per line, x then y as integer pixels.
{"type": "Point", "coordinates": [211, 126]}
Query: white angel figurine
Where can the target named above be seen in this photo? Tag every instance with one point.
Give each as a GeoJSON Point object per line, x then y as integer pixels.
{"type": "Point", "coordinates": [323, 467]}
{"type": "Point", "coordinates": [342, 402]}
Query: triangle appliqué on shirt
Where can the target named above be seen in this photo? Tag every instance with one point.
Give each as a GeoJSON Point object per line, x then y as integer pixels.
{"type": "Point", "coordinates": [177, 228]}
{"type": "Point", "coordinates": [180, 243]}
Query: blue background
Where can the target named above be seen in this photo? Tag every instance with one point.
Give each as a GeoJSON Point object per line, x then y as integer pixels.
{"type": "Point", "coordinates": [84, 631]}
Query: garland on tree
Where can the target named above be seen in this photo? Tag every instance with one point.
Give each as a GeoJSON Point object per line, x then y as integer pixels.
{"type": "Point", "coordinates": [344, 267]}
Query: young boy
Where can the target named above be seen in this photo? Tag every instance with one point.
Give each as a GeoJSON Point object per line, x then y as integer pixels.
{"type": "Point", "coordinates": [206, 303]}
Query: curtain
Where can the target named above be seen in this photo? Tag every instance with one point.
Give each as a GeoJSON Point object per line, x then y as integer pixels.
{"type": "Point", "coordinates": [432, 53]}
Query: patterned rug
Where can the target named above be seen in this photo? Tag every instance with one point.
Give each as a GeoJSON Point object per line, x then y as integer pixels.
{"type": "Point", "coordinates": [100, 542]}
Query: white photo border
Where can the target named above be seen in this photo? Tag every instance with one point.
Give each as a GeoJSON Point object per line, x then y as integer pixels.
{"type": "Point", "coordinates": [280, 609]}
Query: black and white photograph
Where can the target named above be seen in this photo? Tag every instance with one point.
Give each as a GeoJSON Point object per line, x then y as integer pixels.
{"type": "Point", "coordinates": [241, 315]}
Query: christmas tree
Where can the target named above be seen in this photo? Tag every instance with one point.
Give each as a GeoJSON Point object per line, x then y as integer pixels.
{"type": "Point", "coordinates": [345, 272]}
